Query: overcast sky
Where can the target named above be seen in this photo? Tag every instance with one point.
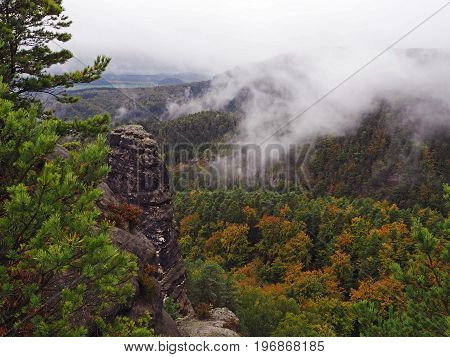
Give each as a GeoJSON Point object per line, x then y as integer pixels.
{"type": "Point", "coordinates": [210, 36]}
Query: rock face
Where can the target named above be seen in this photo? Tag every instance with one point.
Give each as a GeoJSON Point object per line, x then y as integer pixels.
{"type": "Point", "coordinates": [222, 323]}
{"type": "Point", "coordinates": [148, 296]}
{"type": "Point", "coordinates": [139, 177]}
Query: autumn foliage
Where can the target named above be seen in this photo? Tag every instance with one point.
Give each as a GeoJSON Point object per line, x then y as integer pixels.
{"type": "Point", "coordinates": [125, 215]}
{"type": "Point", "coordinates": [322, 267]}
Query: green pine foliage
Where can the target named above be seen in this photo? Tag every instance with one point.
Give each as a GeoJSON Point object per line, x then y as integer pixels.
{"type": "Point", "coordinates": [209, 284]}
{"type": "Point", "coordinates": [27, 28]}
{"type": "Point", "coordinates": [123, 326]}
{"type": "Point", "coordinates": [56, 258]}
{"type": "Point", "coordinates": [171, 307]}
{"type": "Point", "coordinates": [261, 313]}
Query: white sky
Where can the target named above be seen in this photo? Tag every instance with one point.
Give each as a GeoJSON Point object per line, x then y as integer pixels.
{"type": "Point", "coordinates": [211, 36]}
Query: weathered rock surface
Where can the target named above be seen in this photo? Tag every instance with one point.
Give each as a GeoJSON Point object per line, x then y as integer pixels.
{"type": "Point", "coordinates": [137, 244]}
{"type": "Point", "coordinates": [145, 301]}
{"type": "Point", "coordinates": [138, 176]}
{"type": "Point", "coordinates": [220, 324]}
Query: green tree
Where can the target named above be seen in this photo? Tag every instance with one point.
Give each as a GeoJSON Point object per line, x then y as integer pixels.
{"type": "Point", "coordinates": [297, 325]}
{"type": "Point", "coordinates": [56, 257]}
{"type": "Point", "coordinates": [260, 312]}
{"type": "Point", "coordinates": [27, 27]}
{"type": "Point", "coordinates": [208, 283]}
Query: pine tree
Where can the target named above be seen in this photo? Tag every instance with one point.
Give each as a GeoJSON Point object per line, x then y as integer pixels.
{"type": "Point", "coordinates": [27, 28]}
{"type": "Point", "coordinates": [57, 262]}
{"type": "Point", "coordinates": [209, 284]}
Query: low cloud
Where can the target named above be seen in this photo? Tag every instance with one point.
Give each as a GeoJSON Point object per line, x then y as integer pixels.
{"type": "Point", "coordinates": [277, 96]}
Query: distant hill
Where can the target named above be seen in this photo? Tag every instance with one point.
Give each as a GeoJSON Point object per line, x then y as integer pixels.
{"type": "Point", "coordinates": [127, 104]}
{"type": "Point", "coordinates": [113, 80]}
{"type": "Point", "coordinates": [381, 158]}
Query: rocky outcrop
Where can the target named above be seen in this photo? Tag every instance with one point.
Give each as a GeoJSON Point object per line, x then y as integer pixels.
{"type": "Point", "coordinates": [222, 323]}
{"type": "Point", "coordinates": [148, 297]}
{"type": "Point", "coordinates": [139, 177]}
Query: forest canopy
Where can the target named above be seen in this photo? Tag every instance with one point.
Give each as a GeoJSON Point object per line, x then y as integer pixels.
{"type": "Point", "coordinates": [320, 267]}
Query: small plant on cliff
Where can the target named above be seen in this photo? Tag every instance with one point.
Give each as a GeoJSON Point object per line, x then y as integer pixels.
{"type": "Point", "coordinates": [171, 307]}
{"type": "Point", "coordinates": [203, 311]}
{"type": "Point", "coordinates": [123, 214]}
{"type": "Point", "coordinates": [146, 279]}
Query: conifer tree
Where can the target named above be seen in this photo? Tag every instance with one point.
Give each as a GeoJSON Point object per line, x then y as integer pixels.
{"type": "Point", "coordinates": [57, 262]}
{"type": "Point", "coordinates": [59, 271]}
{"type": "Point", "coordinates": [28, 29]}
